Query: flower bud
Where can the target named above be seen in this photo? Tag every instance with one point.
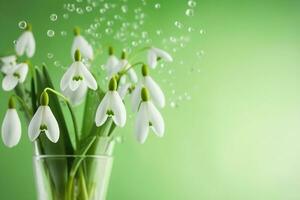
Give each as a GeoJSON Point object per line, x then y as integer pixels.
{"type": "Point", "coordinates": [77, 55]}
{"type": "Point", "coordinates": [112, 84]}
{"type": "Point", "coordinates": [145, 94]}
{"type": "Point", "coordinates": [28, 27]}
{"type": "Point", "coordinates": [145, 70]}
{"type": "Point", "coordinates": [11, 103]}
{"type": "Point", "coordinates": [76, 31]}
{"type": "Point", "coordinates": [44, 100]}
{"type": "Point", "coordinates": [110, 50]}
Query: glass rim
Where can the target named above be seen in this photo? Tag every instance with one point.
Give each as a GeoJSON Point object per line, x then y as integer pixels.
{"type": "Point", "coordinates": [70, 156]}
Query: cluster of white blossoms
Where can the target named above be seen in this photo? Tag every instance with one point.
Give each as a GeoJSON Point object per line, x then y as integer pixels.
{"type": "Point", "coordinates": [146, 94]}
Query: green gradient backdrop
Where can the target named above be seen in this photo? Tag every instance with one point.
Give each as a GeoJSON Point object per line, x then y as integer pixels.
{"type": "Point", "coordinates": [237, 139]}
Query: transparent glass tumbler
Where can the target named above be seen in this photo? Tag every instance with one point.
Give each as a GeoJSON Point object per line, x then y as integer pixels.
{"type": "Point", "coordinates": [71, 177]}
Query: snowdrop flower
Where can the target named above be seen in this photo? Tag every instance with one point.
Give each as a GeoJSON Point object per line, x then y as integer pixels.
{"type": "Point", "coordinates": [76, 75]}
{"type": "Point", "coordinates": [8, 62]}
{"type": "Point", "coordinates": [111, 106]}
{"type": "Point", "coordinates": [44, 121]}
{"type": "Point", "coordinates": [155, 91]}
{"type": "Point", "coordinates": [14, 75]}
{"type": "Point", "coordinates": [123, 89]}
{"type": "Point", "coordinates": [148, 116]}
{"type": "Point", "coordinates": [155, 54]}
{"type": "Point", "coordinates": [124, 66]}
{"type": "Point", "coordinates": [26, 43]}
{"type": "Point", "coordinates": [77, 96]}
{"type": "Point", "coordinates": [82, 45]}
{"type": "Point", "coordinates": [11, 126]}
{"type": "Point", "coordinates": [112, 63]}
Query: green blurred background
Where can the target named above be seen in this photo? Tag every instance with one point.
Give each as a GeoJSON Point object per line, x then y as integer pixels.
{"type": "Point", "coordinates": [238, 136]}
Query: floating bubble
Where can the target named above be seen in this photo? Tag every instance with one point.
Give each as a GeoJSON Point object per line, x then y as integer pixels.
{"type": "Point", "coordinates": [172, 104]}
{"type": "Point", "coordinates": [66, 16]}
{"type": "Point", "coordinates": [89, 8]}
{"type": "Point", "coordinates": [53, 17]}
{"type": "Point", "coordinates": [79, 11]}
{"type": "Point", "coordinates": [158, 32]}
{"type": "Point", "coordinates": [22, 24]}
{"type": "Point", "coordinates": [192, 3]}
{"type": "Point", "coordinates": [110, 23]}
{"type": "Point", "coordinates": [189, 12]}
{"type": "Point", "coordinates": [63, 33]}
{"type": "Point", "coordinates": [56, 63]}
{"type": "Point", "coordinates": [124, 8]}
{"type": "Point", "coordinates": [71, 7]}
{"type": "Point", "coordinates": [50, 33]}
{"type": "Point", "coordinates": [50, 55]}
{"type": "Point", "coordinates": [178, 24]}
{"type": "Point", "coordinates": [157, 6]}
{"type": "Point", "coordinates": [201, 31]}
{"type": "Point", "coordinates": [190, 29]}
{"type": "Point", "coordinates": [108, 31]}
{"type": "Point", "coordinates": [173, 39]}
{"type": "Point", "coordinates": [102, 10]}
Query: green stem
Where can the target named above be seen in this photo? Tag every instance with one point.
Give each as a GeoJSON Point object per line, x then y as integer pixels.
{"type": "Point", "coordinates": [24, 105]}
{"type": "Point", "coordinates": [84, 191]}
{"type": "Point", "coordinates": [138, 52]}
{"type": "Point", "coordinates": [76, 130]}
{"type": "Point", "coordinates": [131, 66]}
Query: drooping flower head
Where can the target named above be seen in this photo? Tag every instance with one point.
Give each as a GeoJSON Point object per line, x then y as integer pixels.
{"type": "Point", "coordinates": [155, 54]}
{"type": "Point", "coordinates": [11, 125]}
{"type": "Point", "coordinates": [111, 63]}
{"type": "Point", "coordinates": [124, 65]}
{"type": "Point", "coordinates": [26, 43]}
{"type": "Point", "coordinates": [155, 91]}
{"type": "Point", "coordinates": [148, 116]}
{"type": "Point", "coordinates": [76, 75]}
{"type": "Point", "coordinates": [82, 45]}
{"type": "Point", "coordinates": [44, 122]}
{"type": "Point", "coordinates": [14, 75]}
{"type": "Point", "coordinates": [111, 106]}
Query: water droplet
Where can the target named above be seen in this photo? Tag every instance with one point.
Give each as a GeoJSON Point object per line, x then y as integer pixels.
{"type": "Point", "coordinates": [89, 8]}
{"type": "Point", "coordinates": [144, 34]}
{"type": "Point", "coordinates": [190, 29]}
{"type": "Point", "coordinates": [71, 7]}
{"type": "Point", "coordinates": [178, 24]}
{"type": "Point", "coordinates": [63, 33]}
{"type": "Point", "coordinates": [173, 39]}
{"type": "Point", "coordinates": [102, 10]}
{"type": "Point", "coordinates": [158, 32]}
{"type": "Point", "coordinates": [124, 8]}
{"type": "Point", "coordinates": [108, 31]}
{"type": "Point", "coordinates": [50, 33]}
{"type": "Point", "coordinates": [66, 16]}
{"type": "Point", "coordinates": [22, 24]}
{"type": "Point", "coordinates": [189, 12]}
{"type": "Point", "coordinates": [201, 31]}
{"type": "Point", "coordinates": [173, 104]}
{"type": "Point", "coordinates": [157, 6]}
{"type": "Point", "coordinates": [192, 3]}
{"type": "Point", "coordinates": [110, 23]}
{"type": "Point", "coordinates": [79, 10]}
{"type": "Point", "coordinates": [50, 55]}
{"type": "Point", "coordinates": [53, 17]}
{"type": "Point", "coordinates": [56, 63]}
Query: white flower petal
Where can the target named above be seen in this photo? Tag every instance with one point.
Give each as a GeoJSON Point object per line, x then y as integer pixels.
{"type": "Point", "coordinates": [101, 115]}
{"type": "Point", "coordinates": [83, 46]}
{"type": "Point", "coordinates": [136, 98]}
{"type": "Point", "coordinates": [118, 108]}
{"type": "Point", "coordinates": [156, 119]}
{"type": "Point", "coordinates": [142, 124]}
{"type": "Point", "coordinates": [88, 77]}
{"type": "Point", "coordinates": [9, 82]}
{"type": "Point", "coordinates": [76, 97]}
{"type": "Point", "coordinates": [51, 123]}
{"type": "Point", "coordinates": [112, 62]}
{"type": "Point", "coordinates": [156, 93]}
{"type": "Point", "coordinates": [123, 90]}
{"type": "Point", "coordinates": [21, 43]}
{"type": "Point", "coordinates": [30, 47]}
{"type": "Point", "coordinates": [35, 123]}
{"type": "Point", "coordinates": [132, 75]}
{"type": "Point", "coordinates": [22, 70]}
{"type": "Point", "coordinates": [74, 85]}
{"type": "Point", "coordinates": [163, 54]}
{"type": "Point", "coordinates": [152, 59]}
{"type": "Point", "coordinates": [11, 128]}
{"type": "Point", "coordinates": [68, 76]}
{"type": "Point", "coordinates": [9, 59]}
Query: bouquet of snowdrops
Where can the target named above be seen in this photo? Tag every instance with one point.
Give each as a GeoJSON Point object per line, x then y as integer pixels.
{"type": "Point", "coordinates": [104, 109]}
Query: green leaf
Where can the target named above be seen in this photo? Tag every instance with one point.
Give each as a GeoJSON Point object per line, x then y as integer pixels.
{"type": "Point", "coordinates": [58, 168]}
{"type": "Point", "coordinates": [93, 99]}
